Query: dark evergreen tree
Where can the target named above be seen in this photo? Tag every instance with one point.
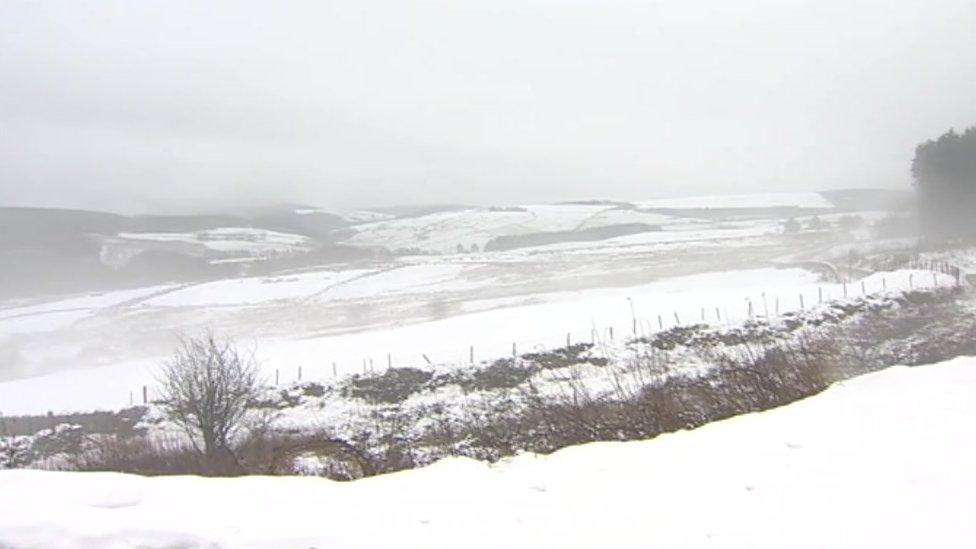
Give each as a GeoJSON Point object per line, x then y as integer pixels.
{"type": "Point", "coordinates": [945, 183]}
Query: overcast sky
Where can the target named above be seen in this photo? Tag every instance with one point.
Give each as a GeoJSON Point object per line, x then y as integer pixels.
{"type": "Point", "coordinates": [168, 105]}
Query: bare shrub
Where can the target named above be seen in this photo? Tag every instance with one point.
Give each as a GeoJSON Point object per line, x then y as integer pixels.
{"type": "Point", "coordinates": [644, 401]}
{"type": "Point", "coordinates": [140, 455]}
{"type": "Point", "coordinates": [208, 386]}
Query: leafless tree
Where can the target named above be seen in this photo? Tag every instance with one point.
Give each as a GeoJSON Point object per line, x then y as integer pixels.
{"type": "Point", "coordinates": [207, 389]}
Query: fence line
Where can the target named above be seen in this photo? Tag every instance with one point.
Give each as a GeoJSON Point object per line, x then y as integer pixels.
{"type": "Point", "coordinates": [593, 335]}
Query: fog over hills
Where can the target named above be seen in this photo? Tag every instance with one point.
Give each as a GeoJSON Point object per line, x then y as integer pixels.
{"type": "Point", "coordinates": [52, 251]}
{"type": "Point", "coordinates": [176, 106]}
{"type": "Point", "coordinates": [489, 248]}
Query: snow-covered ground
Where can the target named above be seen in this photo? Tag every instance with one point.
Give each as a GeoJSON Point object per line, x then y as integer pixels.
{"type": "Point", "coordinates": [489, 326]}
{"type": "Point", "coordinates": [230, 240]}
{"type": "Point", "coordinates": [92, 351]}
{"type": "Point", "coordinates": [878, 461]}
{"type": "Point", "coordinates": [443, 232]}
{"type": "Point", "coordinates": [754, 200]}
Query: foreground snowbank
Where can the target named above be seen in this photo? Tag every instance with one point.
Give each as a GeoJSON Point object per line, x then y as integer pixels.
{"type": "Point", "coordinates": [883, 460]}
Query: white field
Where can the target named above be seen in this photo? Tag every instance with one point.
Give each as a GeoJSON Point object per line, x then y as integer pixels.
{"type": "Point", "coordinates": [490, 326]}
{"type": "Point", "coordinates": [230, 240]}
{"type": "Point", "coordinates": [93, 351]}
{"type": "Point", "coordinates": [878, 461]}
{"type": "Point", "coordinates": [442, 232]}
{"type": "Point", "coordinates": [755, 200]}
{"type": "Point", "coordinates": [354, 216]}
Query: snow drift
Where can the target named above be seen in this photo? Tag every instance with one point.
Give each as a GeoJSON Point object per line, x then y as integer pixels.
{"type": "Point", "coordinates": [882, 460]}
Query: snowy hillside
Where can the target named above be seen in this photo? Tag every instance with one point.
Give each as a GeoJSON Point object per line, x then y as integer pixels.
{"type": "Point", "coordinates": [807, 200]}
{"type": "Point", "coordinates": [282, 311]}
{"type": "Point", "coordinates": [878, 461]}
{"type": "Point", "coordinates": [444, 232]}
{"type": "Point", "coordinates": [244, 240]}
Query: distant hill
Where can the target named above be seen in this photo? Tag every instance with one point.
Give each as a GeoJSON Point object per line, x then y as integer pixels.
{"type": "Point", "coordinates": [870, 199]}
{"type": "Point", "coordinates": [48, 250]}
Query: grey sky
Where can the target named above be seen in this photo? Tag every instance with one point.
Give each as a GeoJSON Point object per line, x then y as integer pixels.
{"type": "Point", "coordinates": [136, 106]}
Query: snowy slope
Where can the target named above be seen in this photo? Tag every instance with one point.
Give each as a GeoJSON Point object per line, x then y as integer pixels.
{"type": "Point", "coordinates": [754, 200]}
{"type": "Point", "coordinates": [442, 232]}
{"type": "Point", "coordinates": [230, 239]}
{"type": "Point", "coordinates": [879, 461]}
{"type": "Point", "coordinates": [489, 325]}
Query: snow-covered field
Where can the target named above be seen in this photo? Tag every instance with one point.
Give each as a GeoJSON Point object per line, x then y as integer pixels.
{"type": "Point", "coordinates": [92, 351]}
{"type": "Point", "coordinates": [443, 232]}
{"type": "Point", "coordinates": [230, 239]}
{"type": "Point", "coordinates": [878, 461]}
{"type": "Point", "coordinates": [489, 327]}
{"type": "Point", "coordinates": [811, 200]}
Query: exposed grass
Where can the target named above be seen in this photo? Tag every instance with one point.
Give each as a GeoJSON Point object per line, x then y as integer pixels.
{"type": "Point", "coordinates": [392, 386]}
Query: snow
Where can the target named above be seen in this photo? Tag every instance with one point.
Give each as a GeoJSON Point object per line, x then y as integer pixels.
{"type": "Point", "coordinates": [253, 290]}
{"type": "Point", "coordinates": [878, 461]}
{"type": "Point", "coordinates": [728, 234]}
{"type": "Point", "coordinates": [756, 200]}
{"type": "Point", "coordinates": [56, 315]}
{"type": "Point", "coordinates": [491, 326]}
{"type": "Point", "coordinates": [356, 216]}
{"type": "Point", "coordinates": [231, 239]}
{"type": "Point", "coordinates": [318, 285]}
{"type": "Point", "coordinates": [442, 232]}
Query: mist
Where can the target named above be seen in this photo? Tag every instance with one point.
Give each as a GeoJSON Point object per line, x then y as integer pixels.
{"type": "Point", "coordinates": [496, 269]}
{"type": "Point", "coordinates": [181, 106]}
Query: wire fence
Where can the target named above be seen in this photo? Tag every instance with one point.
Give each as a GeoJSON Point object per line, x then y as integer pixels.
{"type": "Point", "coordinates": [641, 323]}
